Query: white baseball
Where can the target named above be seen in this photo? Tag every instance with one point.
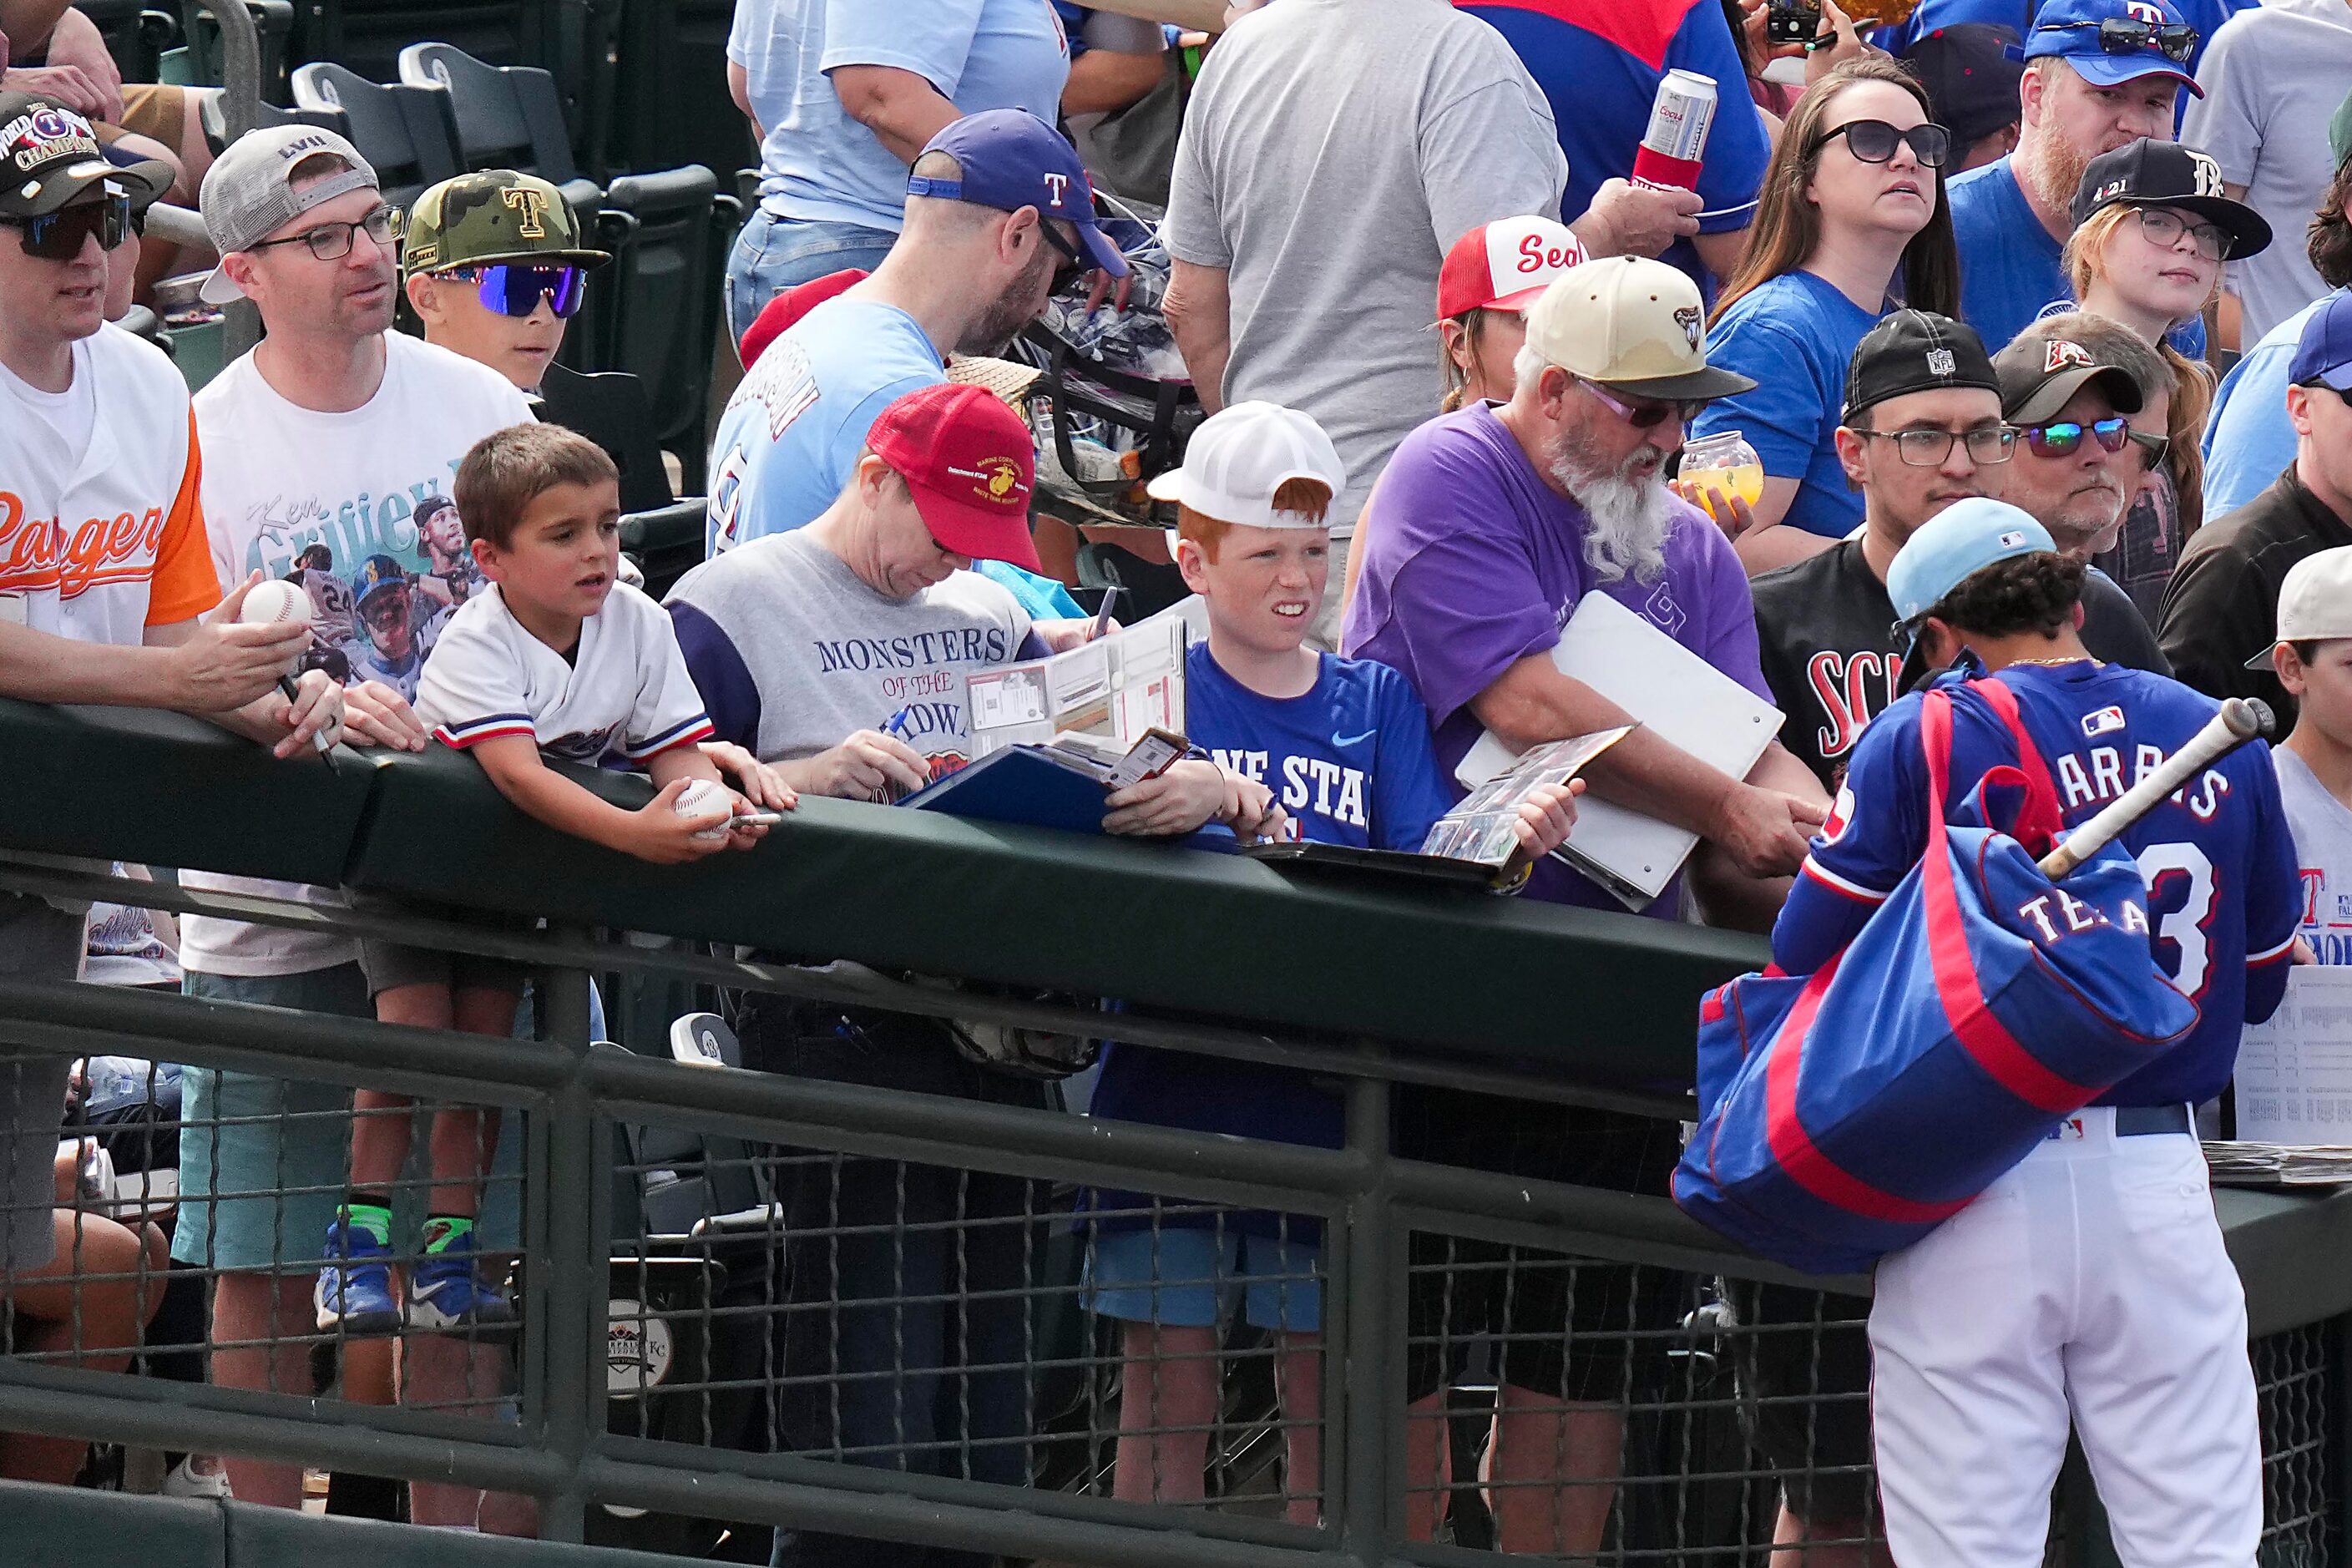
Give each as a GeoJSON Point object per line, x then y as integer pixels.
{"type": "Point", "coordinates": [266, 604]}
{"type": "Point", "coordinates": [703, 798]}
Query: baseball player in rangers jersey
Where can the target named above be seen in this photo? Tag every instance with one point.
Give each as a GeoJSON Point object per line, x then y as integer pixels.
{"type": "Point", "coordinates": [2090, 1282]}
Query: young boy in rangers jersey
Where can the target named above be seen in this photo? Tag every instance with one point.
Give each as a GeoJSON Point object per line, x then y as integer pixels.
{"type": "Point", "coordinates": [556, 660]}
{"type": "Point", "coordinates": [2312, 658]}
{"type": "Point", "coordinates": [2090, 1282]}
{"type": "Point", "coordinates": [1345, 747]}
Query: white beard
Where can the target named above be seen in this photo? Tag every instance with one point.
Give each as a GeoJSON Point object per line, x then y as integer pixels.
{"type": "Point", "coordinates": [1626, 519]}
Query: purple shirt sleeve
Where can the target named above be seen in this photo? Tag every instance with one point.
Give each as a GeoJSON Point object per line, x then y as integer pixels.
{"type": "Point", "coordinates": [1465, 605]}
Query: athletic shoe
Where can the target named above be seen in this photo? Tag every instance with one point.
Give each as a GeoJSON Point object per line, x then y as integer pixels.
{"type": "Point", "coordinates": [354, 1294]}
{"type": "Point", "coordinates": [444, 1292]}
{"type": "Point", "coordinates": [184, 1480]}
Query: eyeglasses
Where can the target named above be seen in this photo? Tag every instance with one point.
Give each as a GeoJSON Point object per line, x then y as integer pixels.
{"type": "Point", "coordinates": [2061, 439]}
{"type": "Point", "coordinates": [60, 236]}
{"type": "Point", "coordinates": [1074, 265]}
{"type": "Point", "coordinates": [2152, 448]}
{"type": "Point", "coordinates": [1928, 448]}
{"type": "Point", "coordinates": [2343, 393]}
{"type": "Point", "coordinates": [1646, 416]}
{"type": "Point", "coordinates": [515, 290]}
{"type": "Point", "coordinates": [332, 241]}
{"type": "Point", "coordinates": [2164, 226]}
{"type": "Point", "coordinates": [1874, 141]}
{"type": "Point", "coordinates": [2124, 35]}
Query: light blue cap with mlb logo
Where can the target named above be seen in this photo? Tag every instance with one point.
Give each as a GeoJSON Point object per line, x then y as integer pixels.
{"type": "Point", "coordinates": [1955, 545]}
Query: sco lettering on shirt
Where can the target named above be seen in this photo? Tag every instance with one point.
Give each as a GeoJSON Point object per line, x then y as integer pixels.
{"type": "Point", "coordinates": [1850, 689]}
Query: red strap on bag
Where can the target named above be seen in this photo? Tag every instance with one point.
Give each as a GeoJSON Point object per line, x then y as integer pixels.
{"type": "Point", "coordinates": [1983, 1035]}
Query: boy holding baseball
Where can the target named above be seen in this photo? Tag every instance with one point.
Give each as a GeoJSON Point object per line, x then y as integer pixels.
{"type": "Point", "coordinates": [1345, 746]}
{"type": "Point", "coordinates": [557, 659]}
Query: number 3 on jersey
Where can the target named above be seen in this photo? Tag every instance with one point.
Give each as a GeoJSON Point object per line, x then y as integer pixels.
{"type": "Point", "coordinates": [2181, 897]}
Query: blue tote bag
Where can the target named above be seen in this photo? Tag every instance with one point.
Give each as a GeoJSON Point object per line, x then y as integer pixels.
{"type": "Point", "coordinates": [1848, 1112]}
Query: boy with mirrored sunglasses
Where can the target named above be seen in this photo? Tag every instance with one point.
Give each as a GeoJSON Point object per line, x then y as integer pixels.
{"type": "Point", "coordinates": [494, 265]}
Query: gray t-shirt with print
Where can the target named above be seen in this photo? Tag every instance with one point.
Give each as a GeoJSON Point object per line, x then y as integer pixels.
{"type": "Point", "coordinates": [793, 652]}
{"type": "Point", "coordinates": [1333, 150]}
{"type": "Point", "coordinates": [2322, 825]}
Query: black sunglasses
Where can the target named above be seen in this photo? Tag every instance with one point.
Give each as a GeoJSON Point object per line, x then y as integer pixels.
{"type": "Point", "coordinates": [2124, 35]}
{"type": "Point", "coordinates": [60, 236]}
{"type": "Point", "coordinates": [1073, 264]}
{"type": "Point", "coordinates": [1874, 141]}
{"type": "Point", "coordinates": [2343, 393]}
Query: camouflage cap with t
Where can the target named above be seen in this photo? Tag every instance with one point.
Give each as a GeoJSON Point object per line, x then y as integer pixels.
{"type": "Point", "coordinates": [492, 216]}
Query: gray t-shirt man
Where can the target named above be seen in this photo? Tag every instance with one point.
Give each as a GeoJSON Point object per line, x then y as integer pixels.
{"type": "Point", "coordinates": [793, 653]}
{"type": "Point", "coordinates": [1333, 150]}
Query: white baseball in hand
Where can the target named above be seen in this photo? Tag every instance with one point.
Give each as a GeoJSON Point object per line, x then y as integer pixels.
{"type": "Point", "coordinates": [706, 799]}
{"type": "Point", "coordinates": [266, 604]}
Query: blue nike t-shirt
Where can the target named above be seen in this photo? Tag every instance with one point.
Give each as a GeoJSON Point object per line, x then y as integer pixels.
{"type": "Point", "coordinates": [2010, 271]}
{"type": "Point", "coordinates": [1353, 763]}
{"type": "Point", "coordinates": [1794, 336]}
{"type": "Point", "coordinates": [1599, 61]}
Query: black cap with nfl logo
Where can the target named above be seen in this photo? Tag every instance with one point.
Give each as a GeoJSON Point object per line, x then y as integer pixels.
{"type": "Point", "coordinates": [1914, 350]}
{"type": "Point", "coordinates": [2145, 174]}
{"type": "Point", "coordinates": [49, 155]}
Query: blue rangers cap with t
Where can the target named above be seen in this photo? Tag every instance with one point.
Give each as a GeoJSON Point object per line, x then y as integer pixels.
{"type": "Point", "coordinates": [2323, 356]}
{"type": "Point", "coordinates": [2110, 42]}
{"type": "Point", "coordinates": [1011, 160]}
{"type": "Point", "coordinates": [1954, 546]}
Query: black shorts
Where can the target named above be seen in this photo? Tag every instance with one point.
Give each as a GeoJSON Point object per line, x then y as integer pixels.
{"type": "Point", "coordinates": [1803, 1360]}
{"type": "Point", "coordinates": [1561, 1325]}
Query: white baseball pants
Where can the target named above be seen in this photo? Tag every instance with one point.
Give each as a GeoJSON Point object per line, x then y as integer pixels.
{"type": "Point", "coordinates": [2088, 1283]}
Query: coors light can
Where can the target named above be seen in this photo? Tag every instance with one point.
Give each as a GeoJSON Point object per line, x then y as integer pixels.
{"type": "Point", "coordinates": [1675, 144]}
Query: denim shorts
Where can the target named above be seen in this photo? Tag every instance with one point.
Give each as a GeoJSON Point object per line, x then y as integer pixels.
{"type": "Point", "coordinates": [264, 1161]}
{"type": "Point", "coordinates": [1187, 1277]}
{"type": "Point", "coordinates": [773, 254]}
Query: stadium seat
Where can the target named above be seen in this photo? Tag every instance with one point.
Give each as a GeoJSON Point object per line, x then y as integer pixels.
{"type": "Point", "coordinates": [507, 117]}
{"type": "Point", "coordinates": [367, 36]}
{"type": "Point", "coordinates": [667, 543]}
{"type": "Point", "coordinates": [273, 20]}
{"type": "Point", "coordinates": [657, 308]}
{"type": "Point", "coordinates": [409, 133]}
{"type": "Point", "coordinates": [670, 104]}
{"type": "Point", "coordinates": [610, 409]}
{"type": "Point", "coordinates": [136, 35]}
{"type": "Point", "coordinates": [216, 132]}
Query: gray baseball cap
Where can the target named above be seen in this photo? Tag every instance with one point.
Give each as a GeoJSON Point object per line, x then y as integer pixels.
{"type": "Point", "coordinates": [250, 192]}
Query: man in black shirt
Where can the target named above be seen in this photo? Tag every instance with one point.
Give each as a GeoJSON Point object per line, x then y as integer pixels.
{"type": "Point", "coordinates": [2221, 611]}
{"type": "Point", "coordinates": [1923, 429]}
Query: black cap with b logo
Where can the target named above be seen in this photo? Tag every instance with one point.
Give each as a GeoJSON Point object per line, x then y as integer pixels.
{"type": "Point", "coordinates": [2148, 173]}
{"type": "Point", "coordinates": [1914, 350]}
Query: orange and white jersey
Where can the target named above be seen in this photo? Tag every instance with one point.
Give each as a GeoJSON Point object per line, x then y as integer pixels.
{"type": "Point", "coordinates": [102, 548]}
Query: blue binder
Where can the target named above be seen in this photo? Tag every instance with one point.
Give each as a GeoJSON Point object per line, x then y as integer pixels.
{"type": "Point", "coordinates": [1025, 784]}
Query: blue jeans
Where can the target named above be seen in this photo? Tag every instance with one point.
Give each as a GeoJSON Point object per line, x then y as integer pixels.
{"type": "Point", "coordinates": [773, 254]}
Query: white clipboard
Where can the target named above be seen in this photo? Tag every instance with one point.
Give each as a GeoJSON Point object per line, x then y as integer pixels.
{"type": "Point", "coordinates": [1669, 690]}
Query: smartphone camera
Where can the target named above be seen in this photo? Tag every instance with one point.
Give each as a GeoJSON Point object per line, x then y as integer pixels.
{"type": "Point", "coordinates": [1792, 21]}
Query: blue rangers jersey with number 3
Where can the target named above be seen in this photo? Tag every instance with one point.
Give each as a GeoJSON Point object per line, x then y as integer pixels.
{"type": "Point", "coordinates": [2223, 891]}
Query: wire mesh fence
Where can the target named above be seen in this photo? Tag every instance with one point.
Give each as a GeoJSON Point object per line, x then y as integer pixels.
{"type": "Point", "coordinates": [999, 1324]}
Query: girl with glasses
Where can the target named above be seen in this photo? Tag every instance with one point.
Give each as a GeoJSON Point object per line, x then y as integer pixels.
{"type": "Point", "coordinates": [1851, 221]}
{"type": "Point", "coordinates": [2152, 233]}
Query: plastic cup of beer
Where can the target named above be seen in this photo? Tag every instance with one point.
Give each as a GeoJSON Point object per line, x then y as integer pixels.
{"type": "Point", "coordinates": [1724, 462]}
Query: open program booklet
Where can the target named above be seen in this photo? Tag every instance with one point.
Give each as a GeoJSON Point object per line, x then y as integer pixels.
{"type": "Point", "coordinates": [1114, 689]}
{"type": "Point", "coordinates": [1475, 843]}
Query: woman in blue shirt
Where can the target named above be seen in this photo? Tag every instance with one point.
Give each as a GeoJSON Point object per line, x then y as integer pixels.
{"type": "Point", "coordinates": [1852, 218]}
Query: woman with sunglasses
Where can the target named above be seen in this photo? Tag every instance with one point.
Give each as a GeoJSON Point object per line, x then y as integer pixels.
{"type": "Point", "coordinates": [2152, 230]}
{"type": "Point", "coordinates": [1851, 220]}
{"type": "Point", "coordinates": [494, 266]}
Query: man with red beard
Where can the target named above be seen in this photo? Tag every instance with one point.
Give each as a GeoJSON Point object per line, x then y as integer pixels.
{"type": "Point", "coordinates": [2100, 74]}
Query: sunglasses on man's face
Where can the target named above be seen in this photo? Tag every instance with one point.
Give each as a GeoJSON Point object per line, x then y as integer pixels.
{"type": "Point", "coordinates": [2064, 437]}
{"type": "Point", "coordinates": [1073, 264]}
{"type": "Point", "coordinates": [511, 290]}
{"type": "Point", "coordinates": [1644, 415]}
{"type": "Point", "coordinates": [60, 236]}
{"type": "Point", "coordinates": [2125, 36]}
{"type": "Point", "coordinates": [1874, 141]}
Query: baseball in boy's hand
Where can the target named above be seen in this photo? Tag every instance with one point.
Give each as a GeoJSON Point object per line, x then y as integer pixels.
{"type": "Point", "coordinates": [707, 798]}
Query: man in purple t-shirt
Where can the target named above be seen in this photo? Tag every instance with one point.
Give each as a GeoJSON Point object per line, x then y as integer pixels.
{"type": "Point", "coordinates": [1493, 523]}
{"type": "Point", "coordinates": [1495, 520]}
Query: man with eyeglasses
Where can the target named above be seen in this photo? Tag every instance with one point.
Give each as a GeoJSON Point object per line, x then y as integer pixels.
{"type": "Point", "coordinates": [2100, 74]}
{"type": "Point", "coordinates": [495, 268]}
{"type": "Point", "coordinates": [999, 216]}
{"type": "Point", "coordinates": [2220, 614]}
{"type": "Point", "coordinates": [333, 432]}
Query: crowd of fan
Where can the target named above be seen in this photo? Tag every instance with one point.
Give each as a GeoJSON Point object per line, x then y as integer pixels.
{"type": "Point", "coordinates": [1904, 278]}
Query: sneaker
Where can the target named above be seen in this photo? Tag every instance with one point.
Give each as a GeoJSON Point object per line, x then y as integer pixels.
{"type": "Point", "coordinates": [354, 1294]}
{"type": "Point", "coordinates": [446, 1292]}
{"type": "Point", "coordinates": [184, 1480]}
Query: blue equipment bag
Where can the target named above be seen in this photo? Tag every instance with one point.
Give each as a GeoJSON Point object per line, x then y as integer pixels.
{"type": "Point", "coordinates": [1848, 1112]}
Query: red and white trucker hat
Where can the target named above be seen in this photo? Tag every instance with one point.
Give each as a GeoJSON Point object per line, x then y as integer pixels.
{"type": "Point", "coordinates": [1504, 266]}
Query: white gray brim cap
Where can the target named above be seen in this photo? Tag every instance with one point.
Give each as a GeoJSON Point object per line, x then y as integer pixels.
{"type": "Point", "coordinates": [250, 192]}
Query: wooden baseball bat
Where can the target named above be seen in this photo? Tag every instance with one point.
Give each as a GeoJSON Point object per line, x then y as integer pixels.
{"type": "Point", "coordinates": [2239, 721]}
